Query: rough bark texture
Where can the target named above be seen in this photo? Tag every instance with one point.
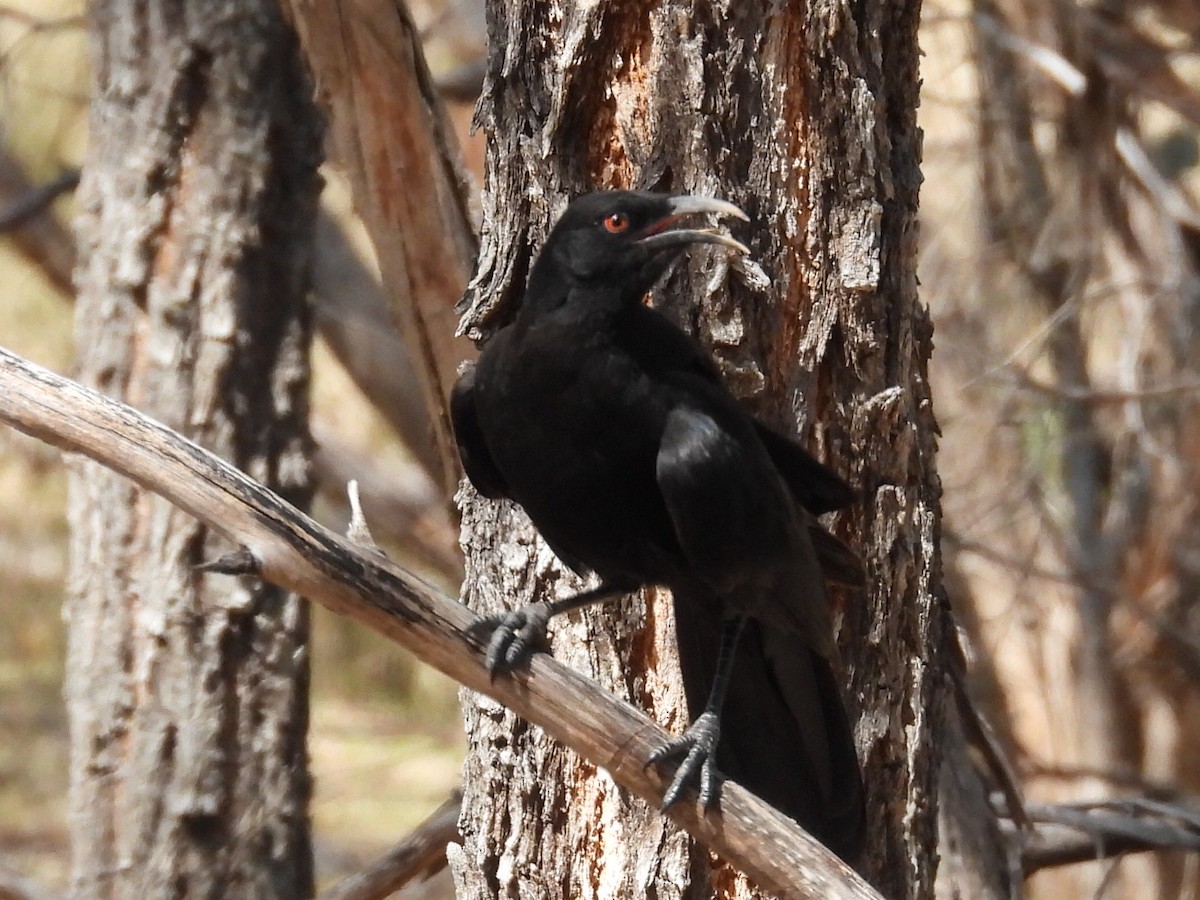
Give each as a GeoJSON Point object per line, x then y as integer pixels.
{"type": "Point", "coordinates": [188, 693]}
{"type": "Point", "coordinates": [803, 115]}
{"type": "Point", "coordinates": [289, 549]}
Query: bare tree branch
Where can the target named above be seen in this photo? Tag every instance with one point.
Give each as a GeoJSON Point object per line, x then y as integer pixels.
{"type": "Point", "coordinates": [296, 553]}
{"type": "Point", "coordinates": [1073, 833]}
{"type": "Point", "coordinates": [350, 305]}
{"type": "Point", "coordinates": [1098, 396]}
{"type": "Point", "coordinates": [39, 236]}
{"type": "Point", "coordinates": [37, 200]}
{"type": "Point", "coordinates": [407, 509]}
{"type": "Point", "coordinates": [15, 886]}
{"type": "Point", "coordinates": [420, 855]}
{"type": "Point", "coordinates": [1126, 779]}
{"type": "Point", "coordinates": [391, 136]}
{"type": "Point", "coordinates": [353, 318]}
{"type": "Point", "coordinates": [980, 734]}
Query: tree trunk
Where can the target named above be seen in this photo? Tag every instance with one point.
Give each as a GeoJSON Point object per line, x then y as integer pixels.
{"type": "Point", "coordinates": [188, 692]}
{"type": "Point", "coordinates": [805, 118]}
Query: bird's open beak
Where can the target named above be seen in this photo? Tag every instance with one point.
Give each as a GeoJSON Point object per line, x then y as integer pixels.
{"type": "Point", "coordinates": [663, 233]}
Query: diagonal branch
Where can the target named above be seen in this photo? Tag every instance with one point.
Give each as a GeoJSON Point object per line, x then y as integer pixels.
{"type": "Point", "coordinates": [419, 855]}
{"type": "Point", "coordinates": [37, 200]}
{"type": "Point", "coordinates": [38, 235]}
{"type": "Point", "coordinates": [390, 134]}
{"type": "Point", "coordinates": [296, 553]}
{"type": "Point", "coordinates": [14, 886]}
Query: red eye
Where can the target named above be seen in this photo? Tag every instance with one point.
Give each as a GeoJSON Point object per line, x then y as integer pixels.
{"type": "Point", "coordinates": [616, 223]}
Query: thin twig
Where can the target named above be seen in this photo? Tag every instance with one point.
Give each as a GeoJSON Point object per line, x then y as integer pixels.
{"type": "Point", "coordinates": [1127, 779]}
{"type": "Point", "coordinates": [981, 735]}
{"type": "Point", "coordinates": [15, 886]}
{"type": "Point", "coordinates": [37, 200]}
{"type": "Point", "coordinates": [358, 530]}
{"type": "Point", "coordinates": [420, 855]}
{"type": "Point", "coordinates": [1100, 396]}
{"type": "Point", "coordinates": [1073, 833]}
{"type": "Point", "coordinates": [1025, 567]}
{"type": "Point", "coordinates": [42, 239]}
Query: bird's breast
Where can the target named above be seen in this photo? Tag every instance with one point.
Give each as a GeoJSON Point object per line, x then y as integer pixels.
{"type": "Point", "coordinates": [576, 437]}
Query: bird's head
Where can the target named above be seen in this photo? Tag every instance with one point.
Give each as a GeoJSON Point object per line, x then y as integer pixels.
{"type": "Point", "coordinates": [630, 237]}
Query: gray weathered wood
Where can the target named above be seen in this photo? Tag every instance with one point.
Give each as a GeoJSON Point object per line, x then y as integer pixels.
{"type": "Point", "coordinates": [391, 135]}
{"type": "Point", "coordinates": [298, 554]}
{"type": "Point", "coordinates": [187, 695]}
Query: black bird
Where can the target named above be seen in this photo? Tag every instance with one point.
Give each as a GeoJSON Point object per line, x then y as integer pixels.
{"type": "Point", "coordinates": [613, 430]}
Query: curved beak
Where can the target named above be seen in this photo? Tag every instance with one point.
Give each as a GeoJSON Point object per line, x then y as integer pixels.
{"type": "Point", "coordinates": [663, 233]}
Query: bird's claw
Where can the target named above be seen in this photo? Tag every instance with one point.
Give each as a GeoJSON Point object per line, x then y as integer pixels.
{"type": "Point", "coordinates": [698, 748]}
{"type": "Point", "coordinates": [514, 637]}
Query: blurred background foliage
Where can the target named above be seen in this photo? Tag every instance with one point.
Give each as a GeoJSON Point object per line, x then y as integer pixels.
{"type": "Point", "coordinates": [1060, 258]}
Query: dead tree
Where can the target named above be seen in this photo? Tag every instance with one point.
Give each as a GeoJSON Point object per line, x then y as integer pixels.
{"type": "Point", "coordinates": [187, 693]}
{"type": "Point", "coordinates": [805, 117]}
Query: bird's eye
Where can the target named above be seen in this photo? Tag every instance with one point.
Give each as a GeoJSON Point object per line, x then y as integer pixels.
{"type": "Point", "coordinates": [616, 223]}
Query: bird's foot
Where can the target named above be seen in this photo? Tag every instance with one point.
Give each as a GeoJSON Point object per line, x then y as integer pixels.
{"type": "Point", "coordinates": [698, 747]}
{"type": "Point", "coordinates": [514, 636]}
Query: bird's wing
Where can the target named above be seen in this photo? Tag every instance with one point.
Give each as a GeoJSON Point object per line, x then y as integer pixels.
{"type": "Point", "coordinates": [815, 486]}
{"type": "Point", "coordinates": [655, 341]}
{"type": "Point", "coordinates": [472, 448]}
{"type": "Point", "coordinates": [784, 730]}
{"type": "Point", "coordinates": [839, 564]}
{"type": "Point", "coordinates": [738, 526]}
{"type": "Point", "coordinates": [729, 510]}
{"type": "Point", "coordinates": [673, 356]}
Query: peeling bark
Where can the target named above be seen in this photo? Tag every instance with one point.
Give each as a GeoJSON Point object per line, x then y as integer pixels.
{"type": "Point", "coordinates": [804, 117]}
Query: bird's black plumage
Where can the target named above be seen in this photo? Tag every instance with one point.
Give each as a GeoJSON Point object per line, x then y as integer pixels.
{"type": "Point", "coordinates": [611, 427]}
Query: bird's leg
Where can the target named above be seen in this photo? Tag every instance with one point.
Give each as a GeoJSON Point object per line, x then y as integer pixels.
{"type": "Point", "coordinates": [698, 745]}
{"type": "Point", "coordinates": [516, 633]}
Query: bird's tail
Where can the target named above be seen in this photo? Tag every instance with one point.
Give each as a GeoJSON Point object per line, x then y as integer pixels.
{"type": "Point", "coordinates": [784, 730]}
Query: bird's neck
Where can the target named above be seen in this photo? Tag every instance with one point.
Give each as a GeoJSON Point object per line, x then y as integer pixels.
{"type": "Point", "coordinates": [590, 303]}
